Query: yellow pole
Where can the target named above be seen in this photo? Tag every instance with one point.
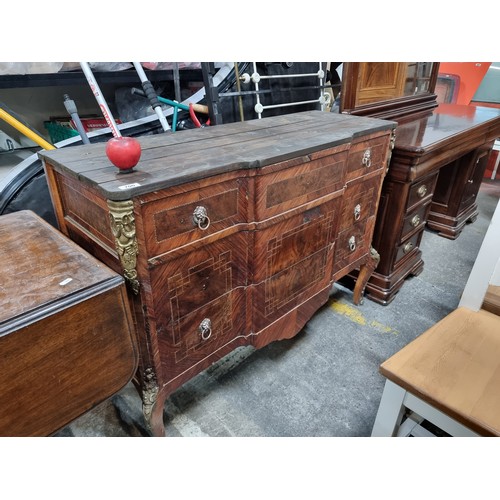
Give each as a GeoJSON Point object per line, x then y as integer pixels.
{"type": "Point", "coordinates": [25, 130]}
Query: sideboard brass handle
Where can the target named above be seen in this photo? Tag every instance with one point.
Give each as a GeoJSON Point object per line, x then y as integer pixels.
{"type": "Point", "coordinates": [408, 247]}
{"type": "Point", "coordinates": [200, 218]}
{"type": "Point", "coordinates": [422, 190]}
{"type": "Point", "coordinates": [415, 221]}
{"type": "Point", "coordinates": [352, 243]}
{"type": "Point", "coordinates": [205, 329]}
{"type": "Point", "coordinates": [357, 212]}
{"type": "Point", "coordinates": [367, 158]}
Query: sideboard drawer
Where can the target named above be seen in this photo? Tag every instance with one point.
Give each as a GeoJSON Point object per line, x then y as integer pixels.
{"type": "Point", "coordinates": [286, 290]}
{"type": "Point", "coordinates": [353, 243]}
{"type": "Point", "coordinates": [278, 190]}
{"type": "Point", "coordinates": [286, 243]}
{"type": "Point", "coordinates": [367, 156]}
{"type": "Point", "coordinates": [201, 333]}
{"type": "Point", "coordinates": [359, 202]}
{"type": "Point", "coordinates": [177, 220]}
{"type": "Point", "coordinates": [190, 282]}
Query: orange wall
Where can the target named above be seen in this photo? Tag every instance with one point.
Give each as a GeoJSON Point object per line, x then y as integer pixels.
{"type": "Point", "coordinates": [471, 74]}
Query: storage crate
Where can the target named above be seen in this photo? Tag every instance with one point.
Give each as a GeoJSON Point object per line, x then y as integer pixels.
{"type": "Point", "coordinates": [59, 132]}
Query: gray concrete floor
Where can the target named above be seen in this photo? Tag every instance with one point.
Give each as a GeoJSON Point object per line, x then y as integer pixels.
{"type": "Point", "coordinates": [325, 381]}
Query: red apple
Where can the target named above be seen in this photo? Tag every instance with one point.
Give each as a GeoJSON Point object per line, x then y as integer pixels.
{"type": "Point", "coordinates": [123, 152]}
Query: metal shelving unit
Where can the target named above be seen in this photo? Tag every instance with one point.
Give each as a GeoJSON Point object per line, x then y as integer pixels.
{"type": "Point", "coordinates": [102, 77]}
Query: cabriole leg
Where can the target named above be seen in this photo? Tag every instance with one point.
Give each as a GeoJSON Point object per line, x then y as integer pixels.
{"type": "Point", "coordinates": [152, 405]}
{"type": "Point", "coordinates": [365, 272]}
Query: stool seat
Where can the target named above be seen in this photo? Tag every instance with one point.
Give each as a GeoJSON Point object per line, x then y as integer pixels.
{"type": "Point", "coordinates": [455, 367]}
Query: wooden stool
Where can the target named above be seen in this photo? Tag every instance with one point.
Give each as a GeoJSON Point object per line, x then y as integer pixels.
{"type": "Point", "coordinates": [449, 376]}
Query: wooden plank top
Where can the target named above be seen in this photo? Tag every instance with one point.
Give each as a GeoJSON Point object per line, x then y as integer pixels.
{"type": "Point", "coordinates": [171, 159]}
{"type": "Point", "coordinates": [41, 269]}
{"type": "Point", "coordinates": [455, 367]}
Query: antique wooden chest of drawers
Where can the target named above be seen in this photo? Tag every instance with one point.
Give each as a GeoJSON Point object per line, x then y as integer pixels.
{"type": "Point", "coordinates": [226, 235]}
{"type": "Point", "coordinates": [67, 341]}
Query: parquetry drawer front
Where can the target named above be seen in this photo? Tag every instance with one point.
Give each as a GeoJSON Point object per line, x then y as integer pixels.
{"type": "Point", "coordinates": [367, 156]}
{"type": "Point", "coordinates": [187, 283]}
{"type": "Point", "coordinates": [352, 244]}
{"type": "Point", "coordinates": [199, 334]}
{"type": "Point", "coordinates": [284, 244]}
{"type": "Point", "coordinates": [170, 222]}
{"type": "Point", "coordinates": [285, 290]}
{"type": "Point", "coordinates": [227, 235]}
{"type": "Point", "coordinates": [281, 189]}
{"type": "Point", "coordinates": [359, 202]}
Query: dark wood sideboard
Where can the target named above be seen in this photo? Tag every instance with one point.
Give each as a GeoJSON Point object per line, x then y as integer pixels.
{"type": "Point", "coordinates": [436, 168]}
{"type": "Point", "coordinates": [226, 235]}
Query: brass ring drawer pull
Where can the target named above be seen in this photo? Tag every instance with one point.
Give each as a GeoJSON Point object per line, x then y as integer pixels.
{"type": "Point", "coordinates": [352, 243]}
{"type": "Point", "coordinates": [200, 218]}
{"type": "Point", "coordinates": [415, 221]}
{"type": "Point", "coordinates": [422, 190]}
{"type": "Point", "coordinates": [407, 247]}
{"type": "Point", "coordinates": [205, 329]}
{"type": "Point", "coordinates": [357, 212]}
{"type": "Point", "coordinates": [367, 158]}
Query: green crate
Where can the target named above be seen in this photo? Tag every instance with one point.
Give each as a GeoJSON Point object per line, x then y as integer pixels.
{"type": "Point", "coordinates": [59, 132]}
